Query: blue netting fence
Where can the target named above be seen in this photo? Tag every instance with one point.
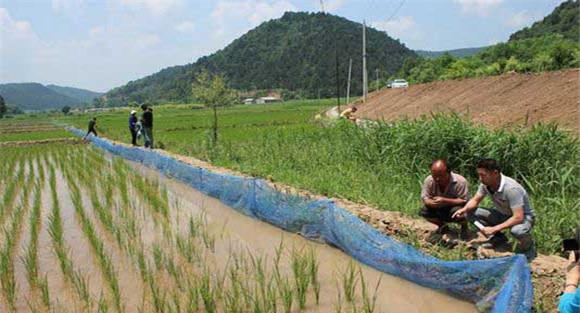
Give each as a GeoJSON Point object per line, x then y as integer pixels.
{"type": "Point", "coordinates": [494, 285]}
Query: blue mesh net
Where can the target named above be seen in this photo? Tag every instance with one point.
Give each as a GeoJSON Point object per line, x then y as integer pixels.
{"type": "Point", "coordinates": [494, 285]}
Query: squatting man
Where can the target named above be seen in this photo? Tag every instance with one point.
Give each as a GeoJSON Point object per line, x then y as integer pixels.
{"type": "Point", "coordinates": [511, 209]}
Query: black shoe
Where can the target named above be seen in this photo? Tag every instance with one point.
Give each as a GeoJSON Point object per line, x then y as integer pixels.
{"type": "Point", "coordinates": [495, 241]}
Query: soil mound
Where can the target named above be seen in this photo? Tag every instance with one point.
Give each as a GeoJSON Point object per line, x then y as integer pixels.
{"type": "Point", "coordinates": [496, 101]}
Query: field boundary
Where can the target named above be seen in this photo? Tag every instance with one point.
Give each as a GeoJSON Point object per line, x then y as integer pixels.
{"type": "Point", "coordinates": [41, 142]}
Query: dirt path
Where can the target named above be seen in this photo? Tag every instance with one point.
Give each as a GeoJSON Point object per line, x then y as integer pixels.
{"type": "Point", "coordinates": [496, 101]}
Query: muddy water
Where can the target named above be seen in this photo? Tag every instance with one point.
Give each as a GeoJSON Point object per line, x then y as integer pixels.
{"type": "Point", "coordinates": [258, 238]}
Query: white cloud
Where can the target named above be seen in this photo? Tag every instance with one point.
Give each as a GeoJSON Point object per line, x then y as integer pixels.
{"type": "Point", "coordinates": [185, 27]}
{"type": "Point", "coordinates": [231, 19]}
{"type": "Point", "coordinates": [155, 7]}
{"type": "Point", "coordinates": [479, 7]}
{"type": "Point", "coordinates": [399, 27]}
{"type": "Point", "coordinates": [330, 5]}
{"type": "Point", "coordinates": [147, 41]}
{"type": "Point", "coordinates": [521, 19]}
{"type": "Point", "coordinates": [10, 28]}
{"type": "Point", "coordinates": [252, 11]}
{"type": "Point", "coordinates": [66, 5]}
{"type": "Point", "coordinates": [97, 30]}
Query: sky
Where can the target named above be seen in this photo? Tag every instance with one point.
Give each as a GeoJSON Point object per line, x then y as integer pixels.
{"type": "Point", "coordinates": [102, 44]}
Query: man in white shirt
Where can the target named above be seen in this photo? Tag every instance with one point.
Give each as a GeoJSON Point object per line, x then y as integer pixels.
{"type": "Point", "coordinates": [512, 209]}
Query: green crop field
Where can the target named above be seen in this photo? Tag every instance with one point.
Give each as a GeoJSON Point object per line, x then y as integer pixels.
{"type": "Point", "coordinates": [184, 128]}
{"type": "Point", "coordinates": [383, 166]}
{"type": "Point", "coordinates": [30, 128]}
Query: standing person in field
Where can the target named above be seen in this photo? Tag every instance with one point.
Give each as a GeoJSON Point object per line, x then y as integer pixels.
{"type": "Point", "coordinates": [147, 124]}
{"type": "Point", "coordinates": [92, 125]}
{"type": "Point", "coordinates": [133, 127]}
{"type": "Point", "coordinates": [511, 209]}
{"type": "Point", "coordinates": [349, 114]}
{"type": "Point", "coordinates": [444, 193]}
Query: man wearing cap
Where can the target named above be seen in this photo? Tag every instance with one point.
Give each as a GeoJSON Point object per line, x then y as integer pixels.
{"type": "Point", "coordinates": [511, 209]}
{"type": "Point", "coordinates": [133, 127]}
{"type": "Point", "coordinates": [443, 193]}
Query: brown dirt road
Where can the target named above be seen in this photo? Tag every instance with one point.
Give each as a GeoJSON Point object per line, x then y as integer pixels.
{"type": "Point", "coordinates": [496, 101]}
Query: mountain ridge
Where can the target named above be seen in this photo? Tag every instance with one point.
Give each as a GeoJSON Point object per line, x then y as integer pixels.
{"type": "Point", "coordinates": [290, 53]}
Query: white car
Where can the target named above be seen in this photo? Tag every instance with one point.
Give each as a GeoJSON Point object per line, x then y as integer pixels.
{"type": "Point", "coordinates": [399, 83]}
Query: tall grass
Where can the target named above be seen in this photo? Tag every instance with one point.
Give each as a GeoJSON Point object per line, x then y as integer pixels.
{"type": "Point", "coordinates": [384, 165]}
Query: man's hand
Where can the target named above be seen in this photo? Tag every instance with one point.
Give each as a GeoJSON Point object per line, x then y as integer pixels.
{"type": "Point", "coordinates": [489, 231]}
{"type": "Point", "coordinates": [437, 200]}
{"type": "Point", "coordinates": [459, 213]}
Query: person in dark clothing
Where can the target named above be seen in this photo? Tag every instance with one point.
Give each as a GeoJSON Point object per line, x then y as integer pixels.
{"type": "Point", "coordinates": [92, 124]}
{"type": "Point", "coordinates": [133, 127]}
{"type": "Point", "coordinates": [147, 123]}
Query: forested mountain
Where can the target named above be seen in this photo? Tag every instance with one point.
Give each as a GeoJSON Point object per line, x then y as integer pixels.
{"type": "Point", "coordinates": [563, 20]}
{"type": "Point", "coordinates": [295, 52]}
{"type": "Point", "coordinates": [83, 95]}
{"type": "Point", "coordinates": [458, 53]}
{"type": "Point", "coordinates": [551, 44]}
{"type": "Point", "coordinates": [34, 96]}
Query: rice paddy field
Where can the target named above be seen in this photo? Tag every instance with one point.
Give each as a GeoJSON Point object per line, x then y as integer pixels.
{"type": "Point", "coordinates": [31, 129]}
{"type": "Point", "coordinates": [87, 232]}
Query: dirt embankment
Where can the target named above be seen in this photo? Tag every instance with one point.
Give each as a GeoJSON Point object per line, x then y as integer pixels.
{"type": "Point", "coordinates": [496, 101]}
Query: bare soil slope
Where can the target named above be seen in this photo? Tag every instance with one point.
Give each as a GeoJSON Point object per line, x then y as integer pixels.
{"type": "Point", "coordinates": [496, 101]}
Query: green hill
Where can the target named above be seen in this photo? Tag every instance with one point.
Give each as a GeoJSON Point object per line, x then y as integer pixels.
{"type": "Point", "coordinates": [563, 20]}
{"type": "Point", "coordinates": [34, 96]}
{"type": "Point", "coordinates": [458, 53]}
{"type": "Point", "coordinates": [294, 53]}
{"type": "Point", "coordinates": [546, 46]}
{"type": "Point", "coordinates": [84, 96]}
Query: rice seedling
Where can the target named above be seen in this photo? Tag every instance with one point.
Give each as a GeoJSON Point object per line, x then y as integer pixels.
{"type": "Point", "coordinates": [338, 305]}
{"type": "Point", "coordinates": [192, 297]}
{"type": "Point", "coordinates": [301, 276]}
{"type": "Point", "coordinates": [349, 282]}
{"type": "Point", "coordinates": [368, 302]}
{"type": "Point", "coordinates": [207, 291]}
{"type": "Point", "coordinates": [159, 296]}
{"type": "Point", "coordinates": [102, 306]}
{"type": "Point", "coordinates": [45, 293]}
{"type": "Point", "coordinates": [30, 258]}
{"type": "Point", "coordinates": [286, 293]}
{"type": "Point", "coordinates": [313, 269]}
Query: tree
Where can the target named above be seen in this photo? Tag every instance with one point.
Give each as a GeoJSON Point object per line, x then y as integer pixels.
{"type": "Point", "coordinates": [65, 109]}
{"type": "Point", "coordinates": [213, 92]}
{"type": "Point", "coordinates": [2, 107]}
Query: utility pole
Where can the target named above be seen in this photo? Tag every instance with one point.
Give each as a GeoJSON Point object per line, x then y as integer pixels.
{"type": "Point", "coordinates": [348, 83]}
{"type": "Point", "coordinates": [337, 76]}
{"type": "Point", "coordinates": [364, 55]}
{"type": "Point", "coordinates": [377, 72]}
